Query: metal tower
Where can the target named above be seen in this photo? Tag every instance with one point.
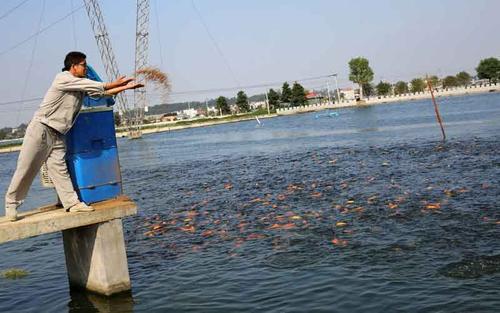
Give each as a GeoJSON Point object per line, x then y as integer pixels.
{"type": "Point", "coordinates": [104, 45]}
{"type": "Point", "coordinates": [141, 56]}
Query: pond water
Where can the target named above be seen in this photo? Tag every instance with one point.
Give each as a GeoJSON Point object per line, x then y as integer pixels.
{"type": "Point", "coordinates": [364, 211]}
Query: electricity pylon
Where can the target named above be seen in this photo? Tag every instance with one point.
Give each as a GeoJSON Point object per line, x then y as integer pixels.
{"type": "Point", "coordinates": [141, 60]}
{"type": "Point", "coordinates": [105, 49]}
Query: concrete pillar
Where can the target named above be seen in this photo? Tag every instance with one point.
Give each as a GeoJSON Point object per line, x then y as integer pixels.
{"type": "Point", "coordinates": [96, 259]}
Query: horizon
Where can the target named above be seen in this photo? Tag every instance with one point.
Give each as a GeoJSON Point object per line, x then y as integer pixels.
{"type": "Point", "coordinates": [224, 45]}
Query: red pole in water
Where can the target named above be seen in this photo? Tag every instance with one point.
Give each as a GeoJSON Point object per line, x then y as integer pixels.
{"type": "Point", "coordinates": [436, 108]}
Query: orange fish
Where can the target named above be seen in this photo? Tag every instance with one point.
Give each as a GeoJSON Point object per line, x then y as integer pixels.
{"type": "Point", "coordinates": [207, 233]}
{"type": "Point", "coordinates": [392, 205]}
{"type": "Point", "coordinates": [316, 194]}
{"type": "Point", "coordinates": [255, 236]}
{"type": "Point", "coordinates": [433, 206]}
{"type": "Point", "coordinates": [188, 228]}
{"type": "Point", "coordinates": [339, 242]}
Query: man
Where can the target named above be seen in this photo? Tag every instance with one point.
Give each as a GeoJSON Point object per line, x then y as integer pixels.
{"type": "Point", "coordinates": [44, 138]}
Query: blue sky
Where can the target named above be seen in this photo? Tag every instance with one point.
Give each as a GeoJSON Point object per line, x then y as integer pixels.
{"type": "Point", "coordinates": [261, 41]}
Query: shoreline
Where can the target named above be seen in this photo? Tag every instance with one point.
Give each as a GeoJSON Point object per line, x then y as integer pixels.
{"type": "Point", "coordinates": [450, 92]}
{"type": "Point", "coordinates": [170, 126]}
{"type": "Point", "coordinates": [165, 127]}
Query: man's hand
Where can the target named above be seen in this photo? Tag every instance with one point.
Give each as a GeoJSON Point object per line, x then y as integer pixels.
{"type": "Point", "coordinates": [131, 85]}
{"type": "Point", "coordinates": [117, 90]}
{"type": "Point", "coordinates": [123, 80]}
{"type": "Point", "coordinates": [119, 82]}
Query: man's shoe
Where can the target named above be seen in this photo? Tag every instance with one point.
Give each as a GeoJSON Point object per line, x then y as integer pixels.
{"type": "Point", "coordinates": [80, 207]}
{"type": "Point", "coordinates": [11, 214]}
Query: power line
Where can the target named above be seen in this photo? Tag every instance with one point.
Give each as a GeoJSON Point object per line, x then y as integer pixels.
{"type": "Point", "coordinates": [158, 31]}
{"type": "Point", "coordinates": [200, 91]}
{"type": "Point", "coordinates": [73, 24]}
{"type": "Point", "coordinates": [40, 31]}
{"type": "Point", "coordinates": [26, 81]}
{"type": "Point", "coordinates": [246, 87]}
{"type": "Point", "coordinates": [10, 111]}
{"type": "Point", "coordinates": [13, 9]}
{"type": "Point", "coordinates": [20, 101]}
{"type": "Point", "coordinates": [214, 42]}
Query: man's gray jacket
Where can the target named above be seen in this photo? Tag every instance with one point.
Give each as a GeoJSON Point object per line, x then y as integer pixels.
{"type": "Point", "coordinates": [63, 100]}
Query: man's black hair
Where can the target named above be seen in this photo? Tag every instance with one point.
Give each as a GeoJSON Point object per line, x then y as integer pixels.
{"type": "Point", "coordinates": [72, 58]}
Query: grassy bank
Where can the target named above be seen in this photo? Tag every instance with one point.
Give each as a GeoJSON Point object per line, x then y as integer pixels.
{"type": "Point", "coordinates": [13, 147]}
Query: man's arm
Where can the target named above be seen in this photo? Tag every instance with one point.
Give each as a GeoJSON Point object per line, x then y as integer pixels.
{"type": "Point", "coordinates": [67, 82]}
{"type": "Point", "coordinates": [117, 90]}
{"type": "Point", "coordinates": [120, 81]}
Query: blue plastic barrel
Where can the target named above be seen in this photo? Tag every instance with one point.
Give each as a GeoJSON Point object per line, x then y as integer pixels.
{"type": "Point", "coordinates": [92, 155]}
{"type": "Point", "coordinates": [91, 150]}
{"type": "Point", "coordinates": [94, 129]}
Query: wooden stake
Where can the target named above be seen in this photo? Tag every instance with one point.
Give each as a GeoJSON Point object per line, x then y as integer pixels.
{"type": "Point", "coordinates": [436, 109]}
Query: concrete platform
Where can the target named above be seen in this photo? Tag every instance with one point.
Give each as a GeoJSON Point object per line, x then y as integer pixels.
{"type": "Point", "coordinates": [94, 244]}
{"type": "Point", "coordinates": [50, 219]}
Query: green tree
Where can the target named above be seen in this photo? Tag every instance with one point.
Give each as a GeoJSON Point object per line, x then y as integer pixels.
{"type": "Point", "coordinates": [360, 72]}
{"type": "Point", "coordinates": [463, 78]}
{"type": "Point", "coordinates": [417, 85]}
{"type": "Point", "coordinates": [368, 90]}
{"type": "Point", "coordinates": [117, 118]}
{"type": "Point", "coordinates": [274, 98]}
{"type": "Point", "coordinates": [383, 88]}
{"type": "Point", "coordinates": [434, 80]}
{"type": "Point", "coordinates": [222, 105]}
{"type": "Point", "coordinates": [242, 101]}
{"type": "Point", "coordinates": [400, 88]}
{"type": "Point", "coordinates": [298, 95]}
{"type": "Point", "coordinates": [286, 93]}
{"type": "Point", "coordinates": [489, 69]}
{"type": "Point", "coordinates": [450, 81]}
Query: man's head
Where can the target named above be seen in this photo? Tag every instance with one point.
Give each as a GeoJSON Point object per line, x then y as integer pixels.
{"type": "Point", "coordinates": [75, 64]}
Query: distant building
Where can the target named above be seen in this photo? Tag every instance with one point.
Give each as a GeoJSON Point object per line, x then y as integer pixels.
{"type": "Point", "coordinates": [313, 97]}
{"type": "Point", "coordinates": [213, 111]}
{"type": "Point", "coordinates": [234, 108]}
{"type": "Point", "coordinates": [348, 94]}
{"type": "Point", "coordinates": [479, 82]}
{"type": "Point", "coordinates": [258, 104]}
{"type": "Point", "coordinates": [187, 113]}
{"type": "Point", "coordinates": [168, 117]}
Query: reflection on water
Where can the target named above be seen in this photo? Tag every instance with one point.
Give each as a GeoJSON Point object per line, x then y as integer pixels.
{"type": "Point", "coordinates": [358, 212]}
{"type": "Point", "coordinates": [473, 267]}
{"type": "Point", "coordinates": [83, 302]}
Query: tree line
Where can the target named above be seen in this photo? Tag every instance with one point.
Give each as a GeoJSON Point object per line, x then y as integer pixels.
{"type": "Point", "coordinates": [294, 96]}
{"type": "Point", "coordinates": [13, 133]}
{"type": "Point", "coordinates": [362, 74]}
